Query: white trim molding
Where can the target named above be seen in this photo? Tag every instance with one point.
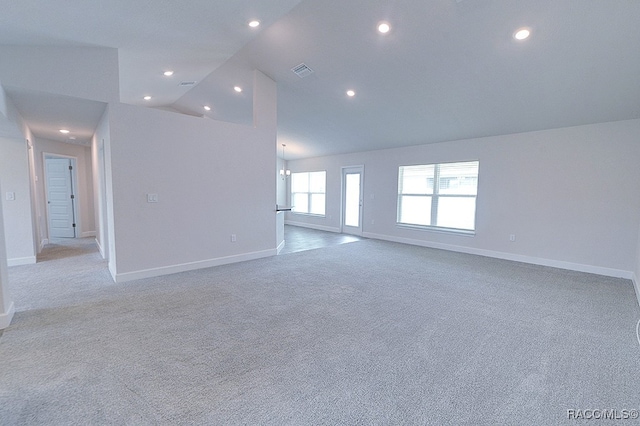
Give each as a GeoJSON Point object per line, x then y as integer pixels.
{"type": "Point", "coordinates": [5, 319]}
{"type": "Point", "coordinates": [190, 266]}
{"type": "Point", "coordinates": [280, 246]}
{"type": "Point", "coordinates": [112, 270]}
{"type": "Point", "coordinates": [88, 234]}
{"type": "Point", "coordinates": [579, 267]}
{"type": "Point", "coordinates": [21, 261]}
{"type": "Point", "coordinates": [100, 249]}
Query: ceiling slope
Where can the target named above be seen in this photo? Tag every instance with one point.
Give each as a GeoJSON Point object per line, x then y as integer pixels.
{"type": "Point", "coordinates": [447, 70]}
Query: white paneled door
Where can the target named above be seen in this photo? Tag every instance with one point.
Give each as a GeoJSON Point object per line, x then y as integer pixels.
{"type": "Point", "coordinates": [352, 193]}
{"type": "Point", "coordinates": [60, 198]}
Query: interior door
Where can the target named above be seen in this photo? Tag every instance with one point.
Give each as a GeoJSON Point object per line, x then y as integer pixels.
{"type": "Point", "coordinates": [352, 197]}
{"type": "Point", "coordinates": [60, 198]}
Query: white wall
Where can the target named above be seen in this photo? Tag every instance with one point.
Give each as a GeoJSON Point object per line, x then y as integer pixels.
{"type": "Point", "coordinates": [213, 179]}
{"type": "Point", "coordinates": [10, 119]}
{"type": "Point", "coordinates": [569, 195]}
{"type": "Point", "coordinates": [14, 175]}
{"type": "Point", "coordinates": [98, 160]}
{"type": "Point", "coordinates": [7, 307]}
{"type": "Point", "coordinates": [16, 157]}
{"type": "Point", "coordinates": [84, 193]}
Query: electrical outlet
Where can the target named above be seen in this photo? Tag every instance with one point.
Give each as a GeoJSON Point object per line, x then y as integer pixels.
{"type": "Point", "coordinates": [512, 237]}
{"type": "Point", "coordinates": [152, 198]}
{"type": "Point", "coordinates": [233, 238]}
{"type": "Point", "coordinates": [11, 196]}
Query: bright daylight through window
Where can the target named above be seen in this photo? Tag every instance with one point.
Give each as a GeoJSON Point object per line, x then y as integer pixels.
{"type": "Point", "coordinates": [438, 195]}
{"type": "Point", "coordinates": [308, 192]}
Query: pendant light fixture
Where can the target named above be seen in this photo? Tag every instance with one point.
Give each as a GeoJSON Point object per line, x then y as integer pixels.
{"type": "Point", "coordinates": [285, 173]}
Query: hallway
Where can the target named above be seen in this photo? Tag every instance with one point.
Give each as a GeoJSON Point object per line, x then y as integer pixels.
{"type": "Point", "coordinates": [66, 268]}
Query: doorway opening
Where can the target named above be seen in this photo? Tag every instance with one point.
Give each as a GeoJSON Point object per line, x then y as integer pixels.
{"type": "Point", "coordinates": [352, 200]}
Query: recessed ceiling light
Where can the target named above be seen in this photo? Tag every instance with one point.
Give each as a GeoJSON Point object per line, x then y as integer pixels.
{"type": "Point", "coordinates": [384, 27]}
{"type": "Point", "coordinates": [73, 138]}
{"type": "Point", "coordinates": [65, 131]}
{"type": "Point", "coordinates": [147, 98]}
{"type": "Point", "coordinates": [254, 23]}
{"type": "Point", "coordinates": [237, 89]}
{"type": "Point", "coordinates": [522, 34]}
{"type": "Point", "coordinates": [207, 107]}
{"type": "Point", "coordinates": [168, 73]}
{"type": "Point", "coordinates": [351, 93]}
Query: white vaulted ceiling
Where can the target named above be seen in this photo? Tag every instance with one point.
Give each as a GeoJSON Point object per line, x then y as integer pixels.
{"type": "Point", "coordinates": [447, 69]}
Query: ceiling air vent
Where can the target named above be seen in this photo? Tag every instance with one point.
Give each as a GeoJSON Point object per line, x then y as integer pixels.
{"type": "Point", "coordinates": [186, 83]}
{"type": "Point", "coordinates": [302, 70]}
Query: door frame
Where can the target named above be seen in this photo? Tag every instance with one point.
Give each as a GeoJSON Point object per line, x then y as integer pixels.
{"type": "Point", "coordinates": [74, 185]}
{"type": "Point", "coordinates": [344, 171]}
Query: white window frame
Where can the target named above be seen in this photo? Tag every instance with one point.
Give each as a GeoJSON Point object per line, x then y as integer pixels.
{"type": "Point", "coordinates": [435, 197]}
{"type": "Point", "coordinates": [309, 194]}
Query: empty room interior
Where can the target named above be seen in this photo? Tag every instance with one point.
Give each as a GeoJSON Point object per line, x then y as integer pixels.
{"type": "Point", "coordinates": [319, 212]}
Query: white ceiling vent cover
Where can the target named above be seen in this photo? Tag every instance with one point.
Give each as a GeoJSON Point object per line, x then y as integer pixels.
{"type": "Point", "coordinates": [302, 70]}
{"type": "Point", "coordinates": [186, 83]}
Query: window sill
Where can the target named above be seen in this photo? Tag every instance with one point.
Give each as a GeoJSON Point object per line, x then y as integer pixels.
{"type": "Point", "coordinates": [308, 214]}
{"type": "Point", "coordinates": [454, 231]}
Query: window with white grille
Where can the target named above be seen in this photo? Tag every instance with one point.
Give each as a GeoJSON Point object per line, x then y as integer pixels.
{"type": "Point", "coordinates": [308, 192]}
{"type": "Point", "coordinates": [438, 195]}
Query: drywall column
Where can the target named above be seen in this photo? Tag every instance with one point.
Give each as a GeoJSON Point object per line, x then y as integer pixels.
{"type": "Point", "coordinates": [206, 213]}
{"type": "Point", "coordinates": [6, 304]}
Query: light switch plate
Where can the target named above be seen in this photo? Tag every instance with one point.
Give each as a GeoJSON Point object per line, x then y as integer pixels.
{"type": "Point", "coordinates": [11, 196]}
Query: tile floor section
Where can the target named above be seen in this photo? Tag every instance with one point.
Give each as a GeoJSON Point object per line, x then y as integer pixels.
{"type": "Point", "coordinates": [299, 239]}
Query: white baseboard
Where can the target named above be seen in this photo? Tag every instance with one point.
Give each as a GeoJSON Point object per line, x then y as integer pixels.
{"type": "Point", "coordinates": [636, 287]}
{"type": "Point", "coordinates": [190, 266]}
{"type": "Point", "coordinates": [310, 226]}
{"type": "Point", "coordinates": [17, 261]}
{"type": "Point", "coordinates": [280, 246]}
{"type": "Point", "coordinates": [100, 249]}
{"type": "Point", "coordinates": [609, 272]}
{"type": "Point", "coordinates": [5, 319]}
{"type": "Point", "coordinates": [112, 270]}
{"type": "Point", "coordinates": [88, 234]}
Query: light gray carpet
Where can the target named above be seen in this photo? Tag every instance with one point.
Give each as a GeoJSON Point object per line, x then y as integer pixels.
{"type": "Point", "coordinates": [366, 333]}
